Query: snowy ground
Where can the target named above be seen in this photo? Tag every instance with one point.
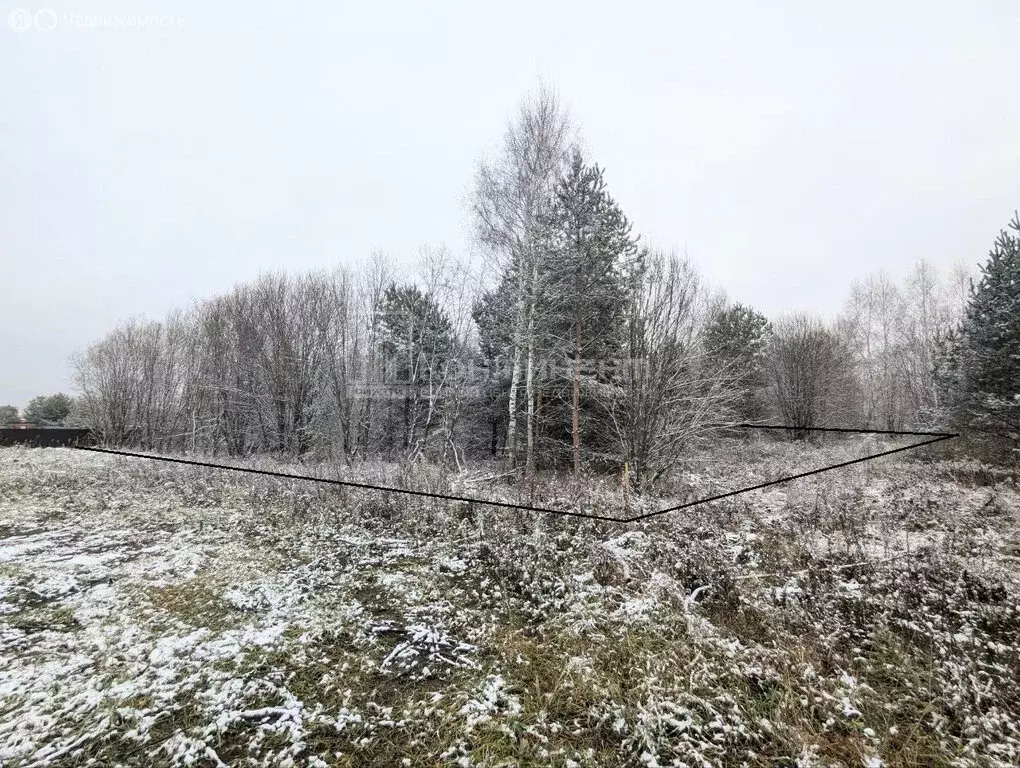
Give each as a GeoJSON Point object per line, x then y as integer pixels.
{"type": "Point", "coordinates": [164, 615]}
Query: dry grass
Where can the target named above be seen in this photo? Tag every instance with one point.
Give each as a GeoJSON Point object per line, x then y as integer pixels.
{"type": "Point", "coordinates": [870, 616]}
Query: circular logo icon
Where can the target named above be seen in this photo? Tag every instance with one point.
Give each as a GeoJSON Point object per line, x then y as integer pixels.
{"type": "Point", "coordinates": [20, 20]}
{"type": "Point", "coordinates": [45, 19]}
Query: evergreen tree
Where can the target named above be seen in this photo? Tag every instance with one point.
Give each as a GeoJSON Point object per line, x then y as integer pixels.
{"type": "Point", "coordinates": [585, 285]}
{"type": "Point", "coordinates": [8, 415]}
{"type": "Point", "coordinates": [989, 363]}
{"type": "Point", "coordinates": [736, 340]}
{"type": "Point", "coordinates": [493, 313]}
{"type": "Point", "coordinates": [417, 342]}
{"type": "Point", "coordinates": [49, 410]}
{"type": "Point", "coordinates": [947, 378]}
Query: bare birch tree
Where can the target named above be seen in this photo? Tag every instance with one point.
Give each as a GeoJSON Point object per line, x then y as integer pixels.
{"type": "Point", "coordinates": [510, 206]}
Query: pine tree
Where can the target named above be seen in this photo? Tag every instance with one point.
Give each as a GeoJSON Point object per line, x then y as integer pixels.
{"type": "Point", "coordinates": [736, 339]}
{"type": "Point", "coordinates": [947, 378]}
{"type": "Point", "coordinates": [990, 346]}
{"type": "Point", "coordinates": [416, 341]}
{"type": "Point", "coordinates": [51, 410]}
{"type": "Point", "coordinates": [493, 313]}
{"type": "Point", "coordinates": [584, 288]}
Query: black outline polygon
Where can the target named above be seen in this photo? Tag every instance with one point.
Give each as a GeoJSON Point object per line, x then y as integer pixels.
{"type": "Point", "coordinates": [935, 438]}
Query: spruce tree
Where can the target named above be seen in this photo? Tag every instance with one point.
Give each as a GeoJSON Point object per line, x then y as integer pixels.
{"type": "Point", "coordinates": [990, 349]}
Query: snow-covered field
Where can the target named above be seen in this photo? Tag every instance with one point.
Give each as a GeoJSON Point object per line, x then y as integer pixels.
{"type": "Point", "coordinates": [153, 614]}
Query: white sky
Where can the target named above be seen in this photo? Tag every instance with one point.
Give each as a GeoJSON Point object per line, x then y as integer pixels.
{"type": "Point", "coordinates": [791, 147]}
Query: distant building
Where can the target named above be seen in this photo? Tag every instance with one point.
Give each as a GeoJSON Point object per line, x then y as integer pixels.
{"type": "Point", "coordinates": [21, 423]}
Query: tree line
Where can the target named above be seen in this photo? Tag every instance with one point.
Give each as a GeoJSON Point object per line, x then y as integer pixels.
{"type": "Point", "coordinates": [44, 410]}
{"type": "Point", "coordinates": [575, 346]}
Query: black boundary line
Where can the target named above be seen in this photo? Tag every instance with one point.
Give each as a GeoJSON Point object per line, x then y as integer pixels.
{"type": "Point", "coordinates": [936, 437]}
{"type": "Point", "coordinates": [352, 484]}
{"type": "Point", "coordinates": [837, 429]}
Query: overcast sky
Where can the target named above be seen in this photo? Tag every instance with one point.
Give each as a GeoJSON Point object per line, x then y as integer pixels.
{"type": "Point", "coordinates": [791, 147]}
